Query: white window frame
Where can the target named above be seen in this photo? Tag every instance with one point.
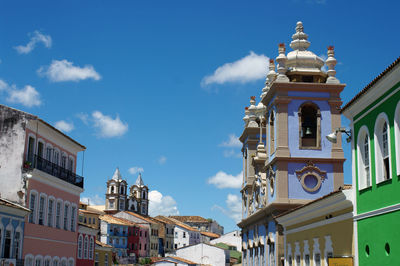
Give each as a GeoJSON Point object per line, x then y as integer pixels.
{"type": "Point", "coordinates": [71, 262]}
{"type": "Point", "coordinates": [21, 237]}
{"type": "Point", "coordinates": [56, 160]}
{"type": "Point", "coordinates": [47, 258]}
{"type": "Point", "coordinates": [72, 159]}
{"type": "Point", "coordinates": [56, 259]}
{"type": "Point", "coordinates": [63, 261]}
{"type": "Point", "coordinates": [306, 251]}
{"type": "Point", "coordinates": [35, 209]}
{"type": "Point", "coordinates": [66, 219]}
{"type": "Point", "coordinates": [379, 167]}
{"type": "Point", "coordinates": [397, 136]}
{"type": "Point", "coordinates": [289, 255]}
{"type": "Point", "coordinates": [362, 174]}
{"type": "Point", "coordinates": [80, 246]}
{"type": "Point", "coordinates": [60, 217]}
{"type": "Point", "coordinates": [29, 258]}
{"type": "Point", "coordinates": [10, 228]}
{"type": "Point", "coordinates": [47, 157]}
{"type": "Point", "coordinates": [91, 248]}
{"type": "Point", "coordinates": [297, 253]}
{"type": "Point", "coordinates": [40, 258]}
{"type": "Point", "coordinates": [85, 247]}
{"type": "Point", "coordinates": [73, 214]}
{"type": "Point", "coordinates": [42, 195]}
{"type": "Point", "coordinates": [30, 135]}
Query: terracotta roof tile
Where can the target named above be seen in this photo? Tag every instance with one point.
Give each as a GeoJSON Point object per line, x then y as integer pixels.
{"type": "Point", "coordinates": [182, 260]}
{"type": "Point", "coordinates": [210, 234]}
{"type": "Point", "coordinates": [193, 219]}
{"type": "Point", "coordinates": [141, 217]}
{"type": "Point", "coordinates": [114, 220]}
{"type": "Point", "coordinates": [102, 244]}
{"type": "Point", "coordinates": [178, 223]}
{"type": "Point", "coordinates": [372, 83]}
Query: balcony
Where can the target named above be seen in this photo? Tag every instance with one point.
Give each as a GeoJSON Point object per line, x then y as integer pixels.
{"type": "Point", "coordinates": [53, 169]}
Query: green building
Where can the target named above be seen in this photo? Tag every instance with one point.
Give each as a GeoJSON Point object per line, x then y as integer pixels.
{"type": "Point", "coordinates": [374, 114]}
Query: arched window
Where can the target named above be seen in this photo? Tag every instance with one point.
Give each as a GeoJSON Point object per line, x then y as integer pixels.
{"type": "Point", "coordinates": [85, 248]}
{"type": "Point", "coordinates": [309, 126]}
{"type": "Point", "coordinates": [272, 132]}
{"type": "Point", "coordinates": [363, 159]}
{"type": "Point", "coordinates": [80, 243]}
{"type": "Point", "coordinates": [382, 150]}
{"type": "Point", "coordinates": [112, 189]}
{"type": "Point", "coordinates": [91, 248]}
{"type": "Point", "coordinates": [397, 136]}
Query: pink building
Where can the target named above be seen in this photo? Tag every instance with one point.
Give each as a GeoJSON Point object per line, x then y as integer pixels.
{"type": "Point", "coordinates": [144, 240]}
{"type": "Point", "coordinates": [39, 171]}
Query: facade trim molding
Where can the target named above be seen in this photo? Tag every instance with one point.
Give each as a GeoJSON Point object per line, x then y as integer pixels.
{"type": "Point", "coordinates": [50, 240]}
{"type": "Point", "coordinates": [321, 223]}
{"type": "Point", "coordinates": [377, 212]}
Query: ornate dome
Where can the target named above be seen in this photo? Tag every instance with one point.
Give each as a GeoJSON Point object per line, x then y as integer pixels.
{"type": "Point", "coordinates": [300, 61]}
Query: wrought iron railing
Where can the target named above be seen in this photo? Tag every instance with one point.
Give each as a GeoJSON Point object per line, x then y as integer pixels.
{"type": "Point", "coordinates": [35, 161]}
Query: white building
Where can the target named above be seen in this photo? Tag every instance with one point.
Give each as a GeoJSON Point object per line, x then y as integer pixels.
{"type": "Point", "coordinates": [174, 261]}
{"type": "Point", "coordinates": [232, 238]}
{"type": "Point", "coordinates": [184, 235]}
{"type": "Point", "coordinates": [204, 254]}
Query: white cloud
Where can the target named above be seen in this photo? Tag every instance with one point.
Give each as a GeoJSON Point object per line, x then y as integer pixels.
{"type": "Point", "coordinates": [3, 85]}
{"type": "Point", "coordinates": [231, 153]}
{"type": "Point", "coordinates": [94, 200]}
{"type": "Point", "coordinates": [28, 96]}
{"type": "Point", "coordinates": [135, 170]}
{"type": "Point", "coordinates": [232, 142]}
{"type": "Point", "coordinates": [224, 180]}
{"type": "Point", "coordinates": [234, 207]}
{"type": "Point", "coordinates": [161, 205]}
{"type": "Point", "coordinates": [64, 126]}
{"type": "Point", "coordinates": [249, 68]}
{"type": "Point", "coordinates": [63, 70]}
{"type": "Point", "coordinates": [162, 160]}
{"type": "Point", "coordinates": [83, 117]}
{"type": "Point", "coordinates": [107, 126]}
{"type": "Point", "coordinates": [36, 37]}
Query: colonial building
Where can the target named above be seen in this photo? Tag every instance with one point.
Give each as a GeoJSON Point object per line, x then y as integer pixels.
{"type": "Point", "coordinates": [38, 170]}
{"type": "Point", "coordinates": [374, 115]}
{"type": "Point", "coordinates": [201, 224]}
{"type": "Point", "coordinates": [114, 232]}
{"type": "Point", "coordinates": [319, 230]}
{"type": "Point", "coordinates": [204, 254]}
{"type": "Point", "coordinates": [103, 254]}
{"type": "Point", "coordinates": [116, 198]}
{"type": "Point", "coordinates": [86, 245]}
{"type": "Point", "coordinates": [12, 223]}
{"type": "Point", "coordinates": [232, 238]}
{"type": "Point", "coordinates": [287, 162]}
{"type": "Point", "coordinates": [166, 234]}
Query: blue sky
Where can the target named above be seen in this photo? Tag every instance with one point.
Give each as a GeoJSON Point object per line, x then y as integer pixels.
{"type": "Point", "coordinates": [127, 79]}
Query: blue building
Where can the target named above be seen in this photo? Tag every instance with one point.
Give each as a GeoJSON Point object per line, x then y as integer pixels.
{"type": "Point", "coordinates": [114, 232]}
{"type": "Point", "coordinates": [287, 161]}
{"type": "Point", "coordinates": [12, 222]}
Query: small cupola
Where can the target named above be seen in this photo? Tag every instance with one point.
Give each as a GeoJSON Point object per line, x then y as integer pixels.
{"type": "Point", "coordinates": [303, 65]}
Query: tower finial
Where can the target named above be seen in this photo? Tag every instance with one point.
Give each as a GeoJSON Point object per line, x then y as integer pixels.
{"type": "Point", "coordinates": [331, 63]}
{"type": "Point", "coordinates": [281, 59]}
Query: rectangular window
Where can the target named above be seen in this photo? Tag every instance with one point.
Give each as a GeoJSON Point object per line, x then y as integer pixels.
{"type": "Point", "coordinates": [56, 157]}
{"type": "Point", "coordinates": [41, 210]}
{"type": "Point", "coordinates": [96, 259]}
{"type": "Point", "coordinates": [48, 154]}
{"type": "Point", "coordinates": [106, 259]}
{"type": "Point", "coordinates": [184, 234]}
{"type": "Point", "coordinates": [7, 245]}
{"type": "Point", "coordinates": [32, 208]}
{"type": "Point", "coordinates": [63, 161]}
{"type": "Point", "coordinates": [66, 209]}
{"type": "Point", "coordinates": [70, 164]}
{"type": "Point", "coordinates": [17, 243]}
{"type": "Point", "coordinates": [50, 213]}
{"type": "Point", "coordinates": [31, 145]}
{"type": "Point", "coordinates": [58, 215]}
{"type": "Point", "coordinates": [73, 210]}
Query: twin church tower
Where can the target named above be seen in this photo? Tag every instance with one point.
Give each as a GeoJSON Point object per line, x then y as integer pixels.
{"type": "Point", "coordinates": [119, 199]}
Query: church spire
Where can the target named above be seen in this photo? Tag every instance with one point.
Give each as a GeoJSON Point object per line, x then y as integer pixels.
{"type": "Point", "coordinates": [117, 175]}
{"type": "Point", "coordinates": [139, 181]}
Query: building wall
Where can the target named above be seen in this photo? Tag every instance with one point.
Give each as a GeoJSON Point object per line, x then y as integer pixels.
{"type": "Point", "coordinates": [385, 193]}
{"type": "Point", "coordinates": [379, 234]}
{"type": "Point", "coordinates": [9, 221]}
{"type": "Point", "coordinates": [204, 254]}
{"type": "Point", "coordinates": [104, 256]}
{"type": "Point", "coordinates": [340, 235]}
{"type": "Point", "coordinates": [232, 238]}
{"type": "Point", "coordinates": [47, 240]}
{"type": "Point", "coordinates": [144, 250]}
{"type": "Point", "coordinates": [181, 237]}
{"type": "Point", "coordinates": [133, 240]}
{"type": "Point", "coordinates": [86, 255]}
{"type": "Point", "coordinates": [12, 143]}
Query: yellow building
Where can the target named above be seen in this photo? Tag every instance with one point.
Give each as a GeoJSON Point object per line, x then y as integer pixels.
{"type": "Point", "coordinates": [320, 230]}
{"type": "Point", "coordinates": [103, 254]}
{"type": "Point", "coordinates": [89, 218]}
